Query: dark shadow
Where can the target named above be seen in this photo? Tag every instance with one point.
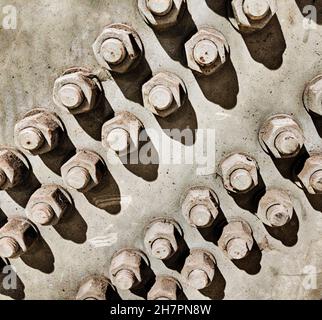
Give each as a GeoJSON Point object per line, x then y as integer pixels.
{"type": "Point", "coordinates": [181, 125]}
{"type": "Point", "coordinates": [251, 263]}
{"type": "Point", "coordinates": [181, 296]}
{"type": "Point", "coordinates": [21, 194]}
{"type": "Point", "coordinates": [216, 290]}
{"type": "Point", "coordinates": [173, 40]}
{"type": "Point", "coordinates": [57, 157]}
{"type": "Point", "coordinates": [317, 121]}
{"type": "Point", "coordinates": [267, 46]}
{"type": "Point", "coordinates": [93, 121]}
{"type": "Point", "coordinates": [131, 82]}
{"type": "Point", "coordinates": [220, 87]}
{"type": "Point", "coordinates": [10, 284]}
{"type": "Point", "coordinates": [315, 200]}
{"type": "Point", "coordinates": [249, 200]}
{"type": "Point", "coordinates": [318, 5]}
{"type": "Point", "coordinates": [213, 232]}
{"type": "Point", "coordinates": [72, 226]}
{"type": "Point", "coordinates": [144, 162]}
{"type": "Point", "coordinates": [218, 6]}
{"type": "Point", "coordinates": [287, 234]}
{"type": "Point", "coordinates": [40, 257]}
{"type": "Point", "coordinates": [176, 262]}
{"type": "Point", "coordinates": [112, 294]}
{"type": "Point", "coordinates": [3, 218]}
{"type": "Point", "coordinates": [106, 195]}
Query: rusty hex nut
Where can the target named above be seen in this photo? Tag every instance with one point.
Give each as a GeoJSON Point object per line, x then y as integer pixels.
{"type": "Point", "coordinates": [118, 48]}
{"type": "Point", "coordinates": [93, 288]}
{"type": "Point", "coordinates": [126, 268]}
{"type": "Point", "coordinates": [160, 238]}
{"type": "Point", "coordinates": [275, 208]}
{"type": "Point", "coordinates": [206, 51]}
{"type": "Point", "coordinates": [76, 91]}
{"type": "Point", "coordinates": [47, 205]}
{"type": "Point", "coordinates": [311, 174]}
{"type": "Point", "coordinates": [161, 14]}
{"type": "Point", "coordinates": [14, 168]}
{"type": "Point", "coordinates": [164, 94]}
{"type": "Point", "coordinates": [199, 269]}
{"type": "Point", "coordinates": [121, 134]}
{"type": "Point", "coordinates": [200, 207]}
{"type": "Point", "coordinates": [164, 288]}
{"type": "Point", "coordinates": [16, 237]}
{"type": "Point", "coordinates": [83, 171]}
{"type": "Point", "coordinates": [38, 131]}
{"type": "Point", "coordinates": [239, 173]}
{"type": "Point", "coordinates": [282, 136]}
{"type": "Point", "coordinates": [253, 15]}
{"type": "Point", "coordinates": [236, 239]}
{"type": "Point", "coordinates": [312, 96]}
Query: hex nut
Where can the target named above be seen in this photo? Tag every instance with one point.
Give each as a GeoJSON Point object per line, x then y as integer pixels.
{"type": "Point", "coordinates": [282, 136]}
{"type": "Point", "coordinates": [47, 205]}
{"type": "Point", "coordinates": [93, 288]}
{"type": "Point", "coordinates": [312, 96]}
{"type": "Point", "coordinates": [83, 171]}
{"type": "Point", "coordinates": [239, 173]}
{"type": "Point", "coordinates": [160, 238]}
{"type": "Point", "coordinates": [121, 134]}
{"type": "Point", "coordinates": [200, 207]}
{"type": "Point", "coordinates": [164, 288]}
{"type": "Point", "coordinates": [14, 168]}
{"type": "Point", "coordinates": [236, 240]}
{"type": "Point", "coordinates": [126, 268]}
{"type": "Point", "coordinates": [76, 91]}
{"type": "Point", "coordinates": [206, 51]}
{"type": "Point", "coordinates": [38, 131]}
{"type": "Point", "coordinates": [118, 48]}
{"type": "Point", "coordinates": [164, 94]}
{"type": "Point", "coordinates": [199, 269]}
{"type": "Point", "coordinates": [161, 14]}
{"type": "Point", "coordinates": [311, 174]}
{"type": "Point", "coordinates": [16, 237]}
{"type": "Point", "coordinates": [252, 15]}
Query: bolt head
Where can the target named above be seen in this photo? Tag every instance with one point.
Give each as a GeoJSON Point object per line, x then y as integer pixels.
{"type": "Point", "coordinates": [198, 279]}
{"type": "Point", "coordinates": [256, 9]}
{"type": "Point", "coordinates": [118, 139]}
{"type": "Point", "coordinates": [237, 249]}
{"type": "Point", "coordinates": [9, 247]}
{"type": "Point", "coordinates": [241, 180]}
{"type": "Point", "coordinates": [160, 7]}
{"type": "Point", "coordinates": [161, 97]}
{"type": "Point", "coordinates": [205, 53]}
{"type": "Point", "coordinates": [200, 216]}
{"type": "Point", "coordinates": [277, 215]}
{"type": "Point", "coordinates": [316, 181]}
{"type": "Point", "coordinates": [113, 51]}
{"type": "Point", "coordinates": [124, 279]}
{"type": "Point", "coordinates": [71, 96]}
{"type": "Point", "coordinates": [42, 213]}
{"type": "Point", "coordinates": [161, 249]}
{"type": "Point", "coordinates": [78, 178]}
{"type": "Point", "coordinates": [287, 143]}
{"type": "Point", "coordinates": [30, 139]}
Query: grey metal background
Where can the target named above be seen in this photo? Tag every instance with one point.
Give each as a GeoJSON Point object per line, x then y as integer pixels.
{"type": "Point", "coordinates": [266, 75]}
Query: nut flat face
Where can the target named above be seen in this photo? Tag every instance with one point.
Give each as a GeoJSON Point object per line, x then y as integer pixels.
{"type": "Point", "coordinates": [236, 240]}
{"type": "Point", "coordinates": [161, 14]}
{"type": "Point", "coordinates": [76, 91]}
{"type": "Point", "coordinates": [200, 207]}
{"type": "Point", "coordinates": [239, 173]}
{"type": "Point", "coordinates": [14, 168]}
{"type": "Point", "coordinates": [38, 131]}
{"type": "Point", "coordinates": [83, 171]}
{"type": "Point", "coordinates": [275, 208]}
{"type": "Point", "coordinates": [93, 288]}
{"type": "Point", "coordinates": [282, 136]}
{"type": "Point", "coordinates": [118, 48]}
{"type": "Point", "coordinates": [164, 94]}
{"type": "Point", "coordinates": [164, 288]}
{"type": "Point", "coordinates": [252, 15]}
{"type": "Point", "coordinates": [312, 96]}
{"type": "Point", "coordinates": [206, 51]}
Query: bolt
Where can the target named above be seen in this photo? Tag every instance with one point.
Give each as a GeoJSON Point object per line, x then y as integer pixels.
{"type": "Point", "coordinates": [198, 279]}
{"type": "Point", "coordinates": [237, 248]}
{"type": "Point", "coordinates": [124, 279]}
{"type": "Point", "coordinates": [160, 97]}
{"type": "Point", "coordinates": [256, 9]}
{"type": "Point", "coordinates": [164, 288]}
{"type": "Point", "coordinates": [42, 213]}
{"type": "Point", "coordinates": [9, 247]}
{"type": "Point", "coordinates": [316, 181]}
{"type": "Point", "coordinates": [161, 249]}
{"type": "Point", "coordinates": [200, 216]}
{"type": "Point", "coordinates": [3, 178]}
{"type": "Point", "coordinates": [118, 139]}
{"type": "Point", "coordinates": [71, 96]}
{"type": "Point", "coordinates": [241, 180]}
{"type": "Point", "coordinates": [113, 51]}
{"type": "Point", "coordinates": [30, 139]}
{"type": "Point", "coordinates": [287, 143]}
{"type": "Point", "coordinates": [277, 215]}
{"type": "Point", "coordinates": [160, 7]}
{"type": "Point", "coordinates": [205, 52]}
{"type": "Point", "coordinates": [78, 178]}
